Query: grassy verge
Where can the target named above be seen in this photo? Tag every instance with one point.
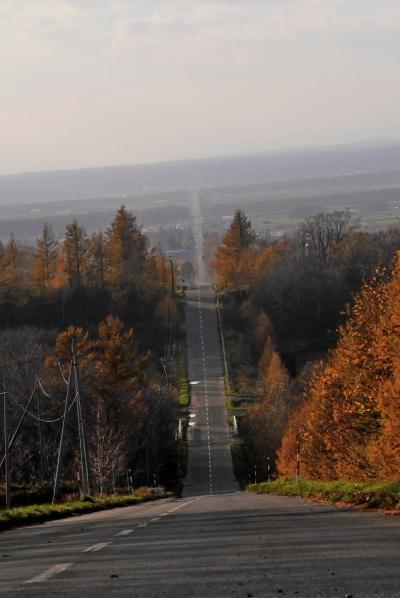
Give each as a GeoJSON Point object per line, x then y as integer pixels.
{"type": "Point", "coordinates": [381, 495]}
{"type": "Point", "coordinates": [47, 512]}
{"type": "Point", "coordinates": [183, 381]}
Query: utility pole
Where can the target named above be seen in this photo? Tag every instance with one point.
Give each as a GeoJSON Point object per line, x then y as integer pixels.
{"type": "Point", "coordinates": [59, 455]}
{"type": "Point", "coordinates": [40, 434]}
{"type": "Point", "coordinates": [221, 330]}
{"type": "Point", "coordinates": [6, 453]}
{"type": "Point", "coordinates": [81, 427]}
{"type": "Point", "coordinates": [172, 279]}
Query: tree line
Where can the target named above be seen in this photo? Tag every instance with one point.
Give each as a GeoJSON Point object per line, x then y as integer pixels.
{"type": "Point", "coordinates": [109, 295]}
{"type": "Point", "coordinates": [285, 303]}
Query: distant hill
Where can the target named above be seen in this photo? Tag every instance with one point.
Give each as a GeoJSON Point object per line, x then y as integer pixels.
{"type": "Point", "coordinates": [120, 181]}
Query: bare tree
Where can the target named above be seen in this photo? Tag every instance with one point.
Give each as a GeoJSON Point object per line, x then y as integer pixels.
{"type": "Point", "coordinates": [319, 233]}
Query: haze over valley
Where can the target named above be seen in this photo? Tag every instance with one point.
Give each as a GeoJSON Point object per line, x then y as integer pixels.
{"type": "Point", "coordinates": [276, 189]}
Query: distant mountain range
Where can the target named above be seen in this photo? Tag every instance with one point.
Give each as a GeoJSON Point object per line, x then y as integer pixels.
{"type": "Point", "coordinates": [121, 181]}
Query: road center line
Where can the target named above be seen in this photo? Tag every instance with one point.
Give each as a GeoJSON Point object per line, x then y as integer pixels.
{"type": "Point", "coordinates": [54, 570]}
{"type": "Point", "coordinates": [203, 352]}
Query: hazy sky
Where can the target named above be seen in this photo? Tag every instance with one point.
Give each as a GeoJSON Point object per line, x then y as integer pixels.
{"type": "Point", "coordinates": [95, 82]}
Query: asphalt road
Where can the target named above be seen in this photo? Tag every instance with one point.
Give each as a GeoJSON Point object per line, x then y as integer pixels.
{"type": "Point", "coordinates": [209, 465]}
{"type": "Point", "coordinates": [214, 546]}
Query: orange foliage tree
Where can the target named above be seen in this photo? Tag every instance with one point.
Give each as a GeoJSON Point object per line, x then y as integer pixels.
{"type": "Point", "coordinates": [234, 260]}
{"type": "Point", "coordinates": [44, 266]}
{"type": "Point", "coordinates": [348, 424]}
{"type": "Point", "coordinates": [126, 249]}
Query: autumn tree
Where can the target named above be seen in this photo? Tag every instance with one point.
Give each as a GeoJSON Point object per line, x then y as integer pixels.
{"type": "Point", "coordinates": [58, 365]}
{"type": "Point", "coordinates": [119, 366]}
{"type": "Point", "coordinates": [74, 253]}
{"type": "Point", "coordinates": [341, 418]}
{"type": "Point", "coordinates": [384, 450]}
{"type": "Point", "coordinates": [126, 248]}
{"type": "Point", "coordinates": [156, 275]}
{"type": "Point", "coordinates": [44, 266]}
{"type": "Point", "coordinates": [12, 266]}
{"type": "Point", "coordinates": [234, 259]}
{"type": "Point", "coordinates": [211, 242]}
{"type": "Point", "coordinates": [96, 260]}
{"type": "Point", "coordinates": [265, 420]}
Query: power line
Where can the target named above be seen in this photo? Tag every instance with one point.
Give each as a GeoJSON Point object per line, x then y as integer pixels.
{"type": "Point", "coordinates": [35, 417]}
{"type": "Point", "coordinates": [46, 394]}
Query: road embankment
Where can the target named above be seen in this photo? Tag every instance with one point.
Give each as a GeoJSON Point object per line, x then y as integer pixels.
{"type": "Point", "coordinates": [376, 495]}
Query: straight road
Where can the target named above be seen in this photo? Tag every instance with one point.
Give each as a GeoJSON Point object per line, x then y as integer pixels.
{"type": "Point", "coordinates": [210, 468]}
{"type": "Point", "coordinates": [210, 465]}
{"type": "Point", "coordinates": [217, 546]}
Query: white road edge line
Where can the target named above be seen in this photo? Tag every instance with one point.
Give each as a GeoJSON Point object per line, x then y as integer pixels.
{"type": "Point", "coordinates": [54, 570]}
{"type": "Point", "coordinates": [97, 547]}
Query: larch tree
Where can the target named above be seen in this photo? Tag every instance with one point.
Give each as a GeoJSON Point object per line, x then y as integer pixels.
{"type": "Point", "coordinates": [118, 373]}
{"type": "Point", "coordinates": [119, 366]}
{"type": "Point", "coordinates": [74, 254]}
{"type": "Point", "coordinates": [97, 260]}
{"type": "Point", "coordinates": [44, 266]}
{"type": "Point", "coordinates": [85, 353]}
{"type": "Point", "coordinates": [384, 449]}
{"type": "Point", "coordinates": [126, 248]}
{"type": "Point", "coordinates": [341, 417]}
{"type": "Point", "coordinates": [234, 260]}
{"type": "Point", "coordinates": [12, 266]}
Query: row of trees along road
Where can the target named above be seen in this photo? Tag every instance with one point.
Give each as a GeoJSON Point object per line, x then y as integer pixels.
{"type": "Point", "coordinates": [111, 293]}
{"type": "Point", "coordinates": [283, 304]}
{"type": "Point", "coordinates": [348, 421]}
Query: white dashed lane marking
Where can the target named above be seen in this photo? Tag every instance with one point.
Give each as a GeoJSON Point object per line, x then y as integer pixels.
{"type": "Point", "coordinates": [54, 570]}
{"type": "Point", "coordinates": [125, 532]}
{"type": "Point", "coordinates": [97, 547]}
{"type": "Point", "coordinates": [205, 391]}
{"type": "Point", "coordinates": [59, 568]}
